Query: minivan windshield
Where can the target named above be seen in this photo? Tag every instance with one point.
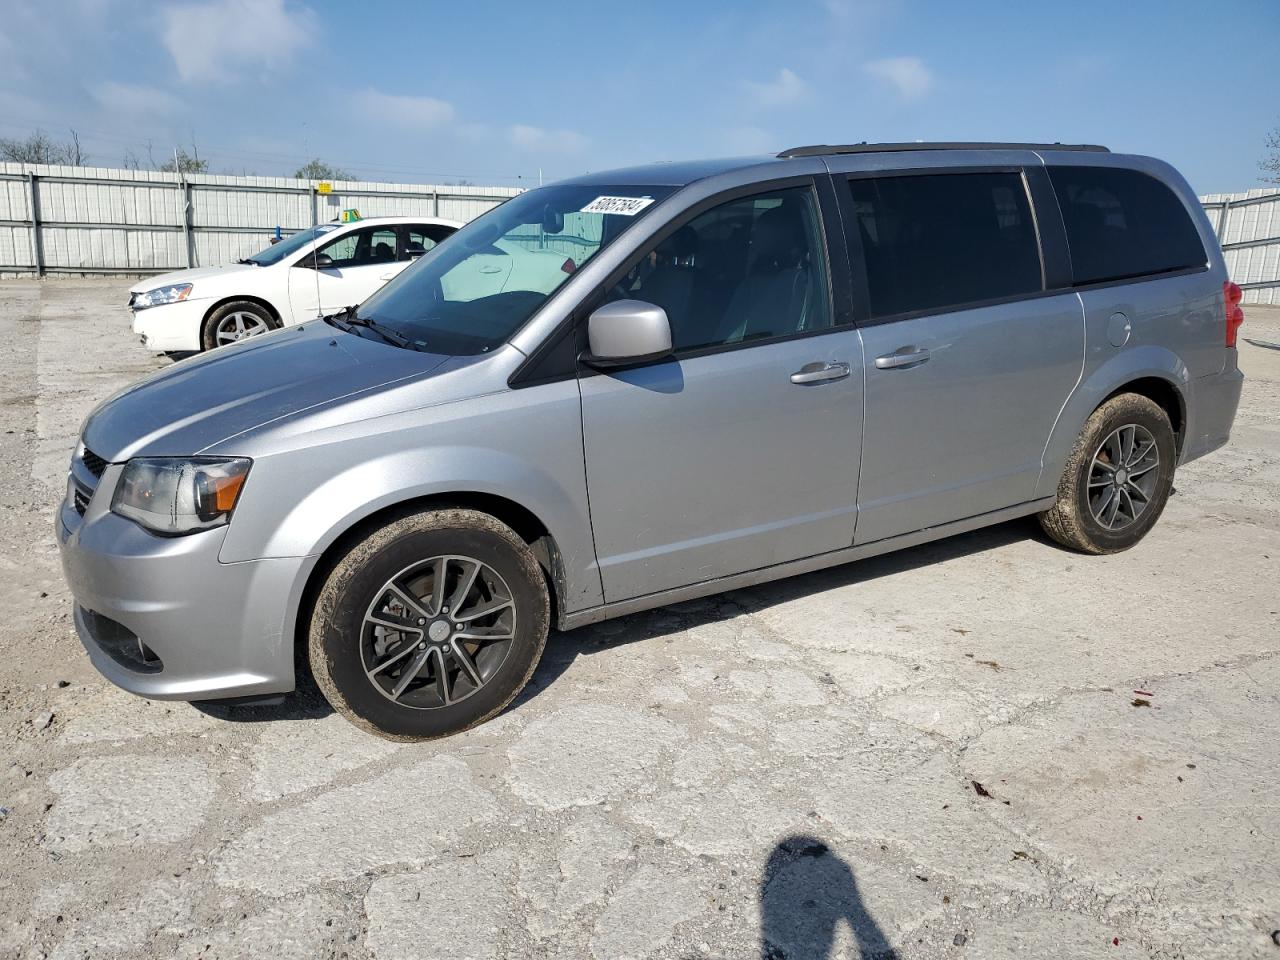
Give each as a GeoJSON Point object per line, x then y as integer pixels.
{"type": "Point", "coordinates": [291, 244]}
{"type": "Point", "coordinates": [469, 294]}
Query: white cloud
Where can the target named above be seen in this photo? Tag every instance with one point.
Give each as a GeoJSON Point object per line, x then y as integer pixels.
{"type": "Point", "coordinates": [546, 141]}
{"type": "Point", "coordinates": [908, 76]}
{"type": "Point", "coordinates": [403, 110]}
{"type": "Point", "coordinates": [223, 40]}
{"type": "Point", "coordinates": [135, 100]}
{"type": "Point", "coordinates": [783, 89]}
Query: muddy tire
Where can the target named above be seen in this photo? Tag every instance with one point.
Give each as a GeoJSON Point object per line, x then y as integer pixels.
{"type": "Point", "coordinates": [236, 321]}
{"type": "Point", "coordinates": [430, 625]}
{"type": "Point", "coordinates": [1117, 479]}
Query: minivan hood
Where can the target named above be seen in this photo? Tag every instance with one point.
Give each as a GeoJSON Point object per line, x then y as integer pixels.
{"type": "Point", "coordinates": [191, 276]}
{"type": "Point", "coordinates": [198, 402]}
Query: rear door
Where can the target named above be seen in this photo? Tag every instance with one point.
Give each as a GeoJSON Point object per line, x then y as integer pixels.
{"type": "Point", "coordinates": [741, 452]}
{"type": "Point", "coordinates": [968, 359]}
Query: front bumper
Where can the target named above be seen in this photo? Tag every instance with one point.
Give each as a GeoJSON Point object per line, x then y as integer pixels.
{"type": "Point", "coordinates": [171, 327]}
{"type": "Point", "coordinates": [163, 618]}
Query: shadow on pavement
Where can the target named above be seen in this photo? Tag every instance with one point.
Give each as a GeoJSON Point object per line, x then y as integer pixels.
{"type": "Point", "coordinates": [304, 703]}
{"type": "Point", "coordinates": [806, 892]}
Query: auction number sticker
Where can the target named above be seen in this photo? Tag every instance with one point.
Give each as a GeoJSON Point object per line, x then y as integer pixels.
{"type": "Point", "coordinates": [621, 206]}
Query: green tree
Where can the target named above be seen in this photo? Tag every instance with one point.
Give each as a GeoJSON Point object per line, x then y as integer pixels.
{"type": "Point", "coordinates": [317, 169]}
{"type": "Point", "coordinates": [183, 162]}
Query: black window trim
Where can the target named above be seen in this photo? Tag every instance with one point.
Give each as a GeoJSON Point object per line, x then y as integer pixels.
{"type": "Point", "coordinates": [1044, 229]}
{"type": "Point", "coordinates": [531, 372]}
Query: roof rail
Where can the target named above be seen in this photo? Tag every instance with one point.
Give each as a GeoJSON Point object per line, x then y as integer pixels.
{"type": "Point", "coordinates": [823, 149]}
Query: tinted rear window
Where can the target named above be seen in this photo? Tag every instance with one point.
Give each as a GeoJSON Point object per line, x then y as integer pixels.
{"type": "Point", "coordinates": [1122, 223]}
{"type": "Point", "coordinates": [933, 242]}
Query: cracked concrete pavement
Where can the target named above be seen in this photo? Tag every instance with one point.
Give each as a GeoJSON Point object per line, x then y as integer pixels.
{"type": "Point", "coordinates": [787, 771]}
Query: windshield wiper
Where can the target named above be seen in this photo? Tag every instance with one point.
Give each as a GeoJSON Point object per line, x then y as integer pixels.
{"type": "Point", "coordinates": [249, 260]}
{"type": "Point", "coordinates": [347, 318]}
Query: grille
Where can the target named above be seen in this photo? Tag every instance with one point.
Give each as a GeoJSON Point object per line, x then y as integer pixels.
{"type": "Point", "coordinates": [81, 501]}
{"type": "Point", "coordinates": [94, 463]}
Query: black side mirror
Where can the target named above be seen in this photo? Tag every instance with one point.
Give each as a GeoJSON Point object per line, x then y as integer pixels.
{"type": "Point", "coordinates": [317, 261]}
{"type": "Point", "coordinates": [414, 251]}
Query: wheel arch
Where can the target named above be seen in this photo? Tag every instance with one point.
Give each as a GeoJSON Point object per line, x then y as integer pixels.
{"type": "Point", "coordinates": [1154, 372]}
{"type": "Point", "coordinates": [1164, 394]}
{"type": "Point", "coordinates": [526, 524]}
{"type": "Point", "coordinates": [242, 298]}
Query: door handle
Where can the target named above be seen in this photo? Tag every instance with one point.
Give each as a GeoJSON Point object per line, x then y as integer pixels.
{"type": "Point", "coordinates": [819, 372]}
{"type": "Point", "coordinates": [902, 357]}
{"type": "Point", "coordinates": [387, 276]}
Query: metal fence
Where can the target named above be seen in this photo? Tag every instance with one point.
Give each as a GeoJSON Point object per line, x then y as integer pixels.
{"type": "Point", "coordinates": [92, 220]}
{"type": "Point", "coordinates": [87, 220]}
{"type": "Point", "coordinates": [1248, 226]}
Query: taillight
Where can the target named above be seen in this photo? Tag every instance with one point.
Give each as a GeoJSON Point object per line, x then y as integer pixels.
{"type": "Point", "coordinates": [1235, 315]}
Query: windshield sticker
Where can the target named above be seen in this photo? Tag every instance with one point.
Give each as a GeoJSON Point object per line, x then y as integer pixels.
{"type": "Point", "coordinates": [621, 206]}
{"type": "Point", "coordinates": [326, 228]}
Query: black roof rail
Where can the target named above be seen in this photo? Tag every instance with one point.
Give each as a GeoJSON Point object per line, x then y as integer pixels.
{"type": "Point", "coordinates": [824, 149]}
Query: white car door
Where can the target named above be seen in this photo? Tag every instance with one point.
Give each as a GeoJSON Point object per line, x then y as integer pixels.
{"type": "Point", "coordinates": [359, 262]}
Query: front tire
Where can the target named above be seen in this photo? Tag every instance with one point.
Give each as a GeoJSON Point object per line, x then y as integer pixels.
{"type": "Point", "coordinates": [1118, 478]}
{"type": "Point", "coordinates": [236, 321]}
{"type": "Point", "coordinates": [430, 625]}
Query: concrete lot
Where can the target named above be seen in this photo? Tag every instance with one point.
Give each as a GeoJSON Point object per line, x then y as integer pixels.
{"type": "Point", "coordinates": [946, 752]}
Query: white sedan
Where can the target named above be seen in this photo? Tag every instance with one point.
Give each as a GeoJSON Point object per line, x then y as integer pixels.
{"type": "Point", "coordinates": [309, 274]}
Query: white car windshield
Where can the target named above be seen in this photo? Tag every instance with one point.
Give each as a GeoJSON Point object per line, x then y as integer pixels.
{"type": "Point", "coordinates": [475, 290]}
{"type": "Point", "coordinates": [291, 244]}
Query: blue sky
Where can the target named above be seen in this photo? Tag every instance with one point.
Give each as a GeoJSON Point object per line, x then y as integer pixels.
{"type": "Point", "coordinates": [491, 92]}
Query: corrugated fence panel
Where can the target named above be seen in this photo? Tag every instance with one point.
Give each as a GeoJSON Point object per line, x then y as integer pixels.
{"type": "Point", "coordinates": [225, 206]}
{"type": "Point", "coordinates": [13, 200]}
{"type": "Point", "coordinates": [105, 248]}
{"type": "Point", "coordinates": [1248, 227]}
{"type": "Point", "coordinates": [15, 247]}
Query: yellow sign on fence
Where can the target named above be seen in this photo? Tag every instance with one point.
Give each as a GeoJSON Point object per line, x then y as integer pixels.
{"type": "Point", "coordinates": [324, 186]}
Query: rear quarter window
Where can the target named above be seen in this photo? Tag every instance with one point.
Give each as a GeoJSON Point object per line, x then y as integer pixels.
{"type": "Point", "coordinates": [1122, 224]}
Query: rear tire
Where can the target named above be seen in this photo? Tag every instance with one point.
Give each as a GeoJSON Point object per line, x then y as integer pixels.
{"type": "Point", "coordinates": [430, 625]}
{"type": "Point", "coordinates": [1117, 479]}
{"type": "Point", "coordinates": [236, 321]}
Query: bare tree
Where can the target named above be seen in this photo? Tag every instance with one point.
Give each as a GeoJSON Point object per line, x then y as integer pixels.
{"type": "Point", "coordinates": [131, 161]}
{"type": "Point", "coordinates": [39, 147]}
{"type": "Point", "coordinates": [1270, 164]}
{"type": "Point", "coordinates": [73, 153]}
{"type": "Point", "coordinates": [317, 169]}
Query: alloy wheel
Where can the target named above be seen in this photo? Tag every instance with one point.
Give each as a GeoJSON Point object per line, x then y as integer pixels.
{"type": "Point", "coordinates": [437, 632]}
{"type": "Point", "coordinates": [238, 326]}
{"type": "Point", "coordinates": [1123, 476]}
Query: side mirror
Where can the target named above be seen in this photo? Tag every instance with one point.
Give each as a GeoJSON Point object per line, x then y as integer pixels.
{"type": "Point", "coordinates": [414, 251]}
{"type": "Point", "coordinates": [626, 332]}
{"type": "Point", "coordinates": [318, 261]}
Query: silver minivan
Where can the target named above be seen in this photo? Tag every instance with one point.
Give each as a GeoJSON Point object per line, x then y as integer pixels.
{"type": "Point", "coordinates": [748, 369]}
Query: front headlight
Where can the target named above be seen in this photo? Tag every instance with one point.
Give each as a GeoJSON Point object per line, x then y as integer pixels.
{"type": "Point", "coordinates": [173, 293]}
{"type": "Point", "coordinates": [172, 496]}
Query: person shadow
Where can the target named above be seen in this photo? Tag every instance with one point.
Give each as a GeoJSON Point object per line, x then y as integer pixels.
{"type": "Point", "coordinates": [806, 892]}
